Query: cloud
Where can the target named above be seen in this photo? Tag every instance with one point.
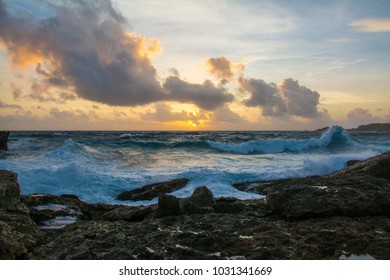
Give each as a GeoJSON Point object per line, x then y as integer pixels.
{"type": "Point", "coordinates": [68, 115]}
{"type": "Point", "coordinates": [9, 106]}
{"type": "Point", "coordinates": [84, 45]}
{"type": "Point", "coordinates": [360, 116]}
{"type": "Point", "coordinates": [40, 91]}
{"type": "Point", "coordinates": [174, 71]}
{"type": "Point", "coordinates": [371, 25]}
{"type": "Point", "coordinates": [289, 98]}
{"type": "Point", "coordinates": [226, 115]}
{"type": "Point", "coordinates": [222, 68]}
{"type": "Point", "coordinates": [119, 114]}
{"type": "Point", "coordinates": [16, 91]}
{"type": "Point", "coordinates": [299, 100]}
{"type": "Point", "coordinates": [206, 96]}
{"type": "Point", "coordinates": [163, 113]}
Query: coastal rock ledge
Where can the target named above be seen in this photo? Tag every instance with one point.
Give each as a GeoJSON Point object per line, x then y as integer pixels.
{"type": "Point", "coordinates": [344, 215]}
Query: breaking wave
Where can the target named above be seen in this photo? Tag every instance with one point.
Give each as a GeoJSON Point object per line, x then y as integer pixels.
{"type": "Point", "coordinates": [334, 138]}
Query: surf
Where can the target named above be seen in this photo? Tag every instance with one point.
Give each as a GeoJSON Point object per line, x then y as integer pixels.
{"type": "Point", "coordinates": [334, 138]}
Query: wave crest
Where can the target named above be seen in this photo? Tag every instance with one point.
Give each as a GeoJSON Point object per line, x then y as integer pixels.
{"type": "Point", "coordinates": [335, 137]}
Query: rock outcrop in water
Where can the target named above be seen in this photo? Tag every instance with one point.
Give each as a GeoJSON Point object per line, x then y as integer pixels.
{"type": "Point", "coordinates": [151, 191]}
{"type": "Point", "coordinates": [4, 140]}
{"type": "Point", "coordinates": [345, 214]}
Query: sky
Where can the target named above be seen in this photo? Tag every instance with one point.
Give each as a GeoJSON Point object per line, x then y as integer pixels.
{"type": "Point", "coordinates": [193, 64]}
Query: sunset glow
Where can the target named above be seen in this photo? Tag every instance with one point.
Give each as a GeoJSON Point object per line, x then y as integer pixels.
{"type": "Point", "coordinates": [169, 65]}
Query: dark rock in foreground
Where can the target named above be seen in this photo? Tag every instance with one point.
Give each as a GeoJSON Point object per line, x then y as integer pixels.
{"type": "Point", "coordinates": [333, 217]}
{"type": "Point", "coordinates": [18, 232]}
{"type": "Point", "coordinates": [151, 191]}
{"type": "Point", "coordinates": [9, 191]}
{"type": "Point", "coordinates": [357, 196]}
{"type": "Point", "coordinates": [378, 166]}
{"type": "Point", "coordinates": [222, 236]}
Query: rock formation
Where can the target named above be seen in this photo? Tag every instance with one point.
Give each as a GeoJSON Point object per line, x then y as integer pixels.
{"type": "Point", "coordinates": [373, 127]}
{"type": "Point", "coordinates": [4, 140]}
{"type": "Point", "coordinates": [19, 233]}
{"type": "Point", "coordinates": [151, 191]}
{"type": "Point", "coordinates": [343, 215]}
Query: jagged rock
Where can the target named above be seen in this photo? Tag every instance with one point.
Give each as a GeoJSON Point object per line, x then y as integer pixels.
{"type": "Point", "coordinates": [329, 217]}
{"type": "Point", "coordinates": [378, 166]}
{"type": "Point", "coordinates": [202, 197]}
{"type": "Point", "coordinates": [4, 140]}
{"type": "Point", "coordinates": [58, 211]}
{"type": "Point", "coordinates": [151, 191]}
{"type": "Point", "coordinates": [126, 213]}
{"type": "Point", "coordinates": [221, 236]}
{"type": "Point", "coordinates": [352, 196]}
{"type": "Point", "coordinates": [36, 199]}
{"type": "Point", "coordinates": [229, 205]}
{"type": "Point", "coordinates": [69, 202]}
{"type": "Point", "coordinates": [168, 205]}
{"type": "Point", "coordinates": [9, 191]}
{"type": "Point", "coordinates": [18, 233]}
{"type": "Point", "coordinates": [96, 210]}
{"type": "Point", "coordinates": [352, 162]}
{"type": "Point", "coordinates": [201, 201]}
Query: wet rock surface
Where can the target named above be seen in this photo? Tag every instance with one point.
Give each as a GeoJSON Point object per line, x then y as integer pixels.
{"type": "Point", "coordinates": [151, 191]}
{"type": "Point", "coordinates": [4, 140]}
{"type": "Point", "coordinates": [18, 232]}
{"type": "Point", "coordinates": [345, 215]}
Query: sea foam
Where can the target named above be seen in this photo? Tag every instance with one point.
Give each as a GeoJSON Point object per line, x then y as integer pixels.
{"type": "Point", "coordinates": [334, 137]}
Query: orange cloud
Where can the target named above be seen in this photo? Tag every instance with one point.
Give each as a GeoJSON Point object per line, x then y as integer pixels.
{"type": "Point", "coordinates": [222, 68]}
{"type": "Point", "coordinates": [23, 56]}
{"type": "Point", "coordinates": [146, 47]}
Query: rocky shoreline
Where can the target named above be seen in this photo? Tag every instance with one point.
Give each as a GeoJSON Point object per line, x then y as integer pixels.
{"type": "Point", "coordinates": [343, 215]}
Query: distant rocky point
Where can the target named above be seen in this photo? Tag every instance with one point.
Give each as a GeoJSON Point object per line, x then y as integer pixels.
{"type": "Point", "coordinates": [366, 127]}
{"type": "Point", "coordinates": [373, 127]}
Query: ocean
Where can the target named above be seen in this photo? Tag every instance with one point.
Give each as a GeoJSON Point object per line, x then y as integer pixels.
{"type": "Point", "coordinates": [97, 165]}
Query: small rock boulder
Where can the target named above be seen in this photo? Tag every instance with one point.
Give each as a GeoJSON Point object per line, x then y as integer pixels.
{"type": "Point", "coordinates": [201, 201]}
{"type": "Point", "coordinates": [168, 205]}
{"type": "Point", "coordinates": [128, 214]}
{"type": "Point", "coordinates": [151, 191]}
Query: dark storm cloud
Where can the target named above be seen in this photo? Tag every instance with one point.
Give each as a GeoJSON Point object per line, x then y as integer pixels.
{"type": "Point", "coordinates": [206, 96]}
{"type": "Point", "coordinates": [84, 45]}
{"type": "Point", "coordinates": [287, 98]}
{"type": "Point", "coordinates": [300, 100]}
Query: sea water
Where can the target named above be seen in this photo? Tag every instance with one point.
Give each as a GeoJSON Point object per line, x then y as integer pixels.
{"type": "Point", "coordinates": [98, 166]}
